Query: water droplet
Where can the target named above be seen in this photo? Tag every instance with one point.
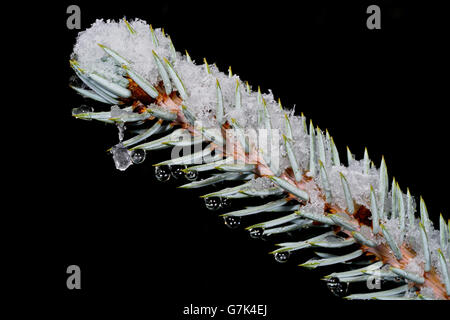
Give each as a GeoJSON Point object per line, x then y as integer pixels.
{"type": "Point", "coordinates": [162, 173]}
{"type": "Point", "coordinates": [337, 287]}
{"type": "Point", "coordinates": [212, 203]}
{"type": "Point", "coordinates": [282, 257]}
{"type": "Point", "coordinates": [82, 109]}
{"type": "Point", "coordinates": [176, 171]}
{"type": "Point", "coordinates": [256, 233]}
{"type": "Point", "coordinates": [138, 156]}
{"type": "Point", "coordinates": [232, 222]}
{"type": "Point", "coordinates": [225, 203]}
{"type": "Point", "coordinates": [191, 175]}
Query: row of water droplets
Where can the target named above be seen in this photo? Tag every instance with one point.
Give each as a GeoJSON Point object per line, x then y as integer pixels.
{"type": "Point", "coordinates": [216, 203]}
{"type": "Point", "coordinates": [123, 158]}
{"type": "Point", "coordinates": [337, 287]}
{"type": "Point", "coordinates": [164, 173]}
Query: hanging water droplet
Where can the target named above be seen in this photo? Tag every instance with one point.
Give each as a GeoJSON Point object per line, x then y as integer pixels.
{"type": "Point", "coordinates": [162, 173]}
{"type": "Point", "coordinates": [282, 257]}
{"type": "Point", "coordinates": [176, 171]}
{"type": "Point", "coordinates": [256, 233]}
{"type": "Point", "coordinates": [337, 287]}
{"type": "Point", "coordinates": [138, 156]}
{"type": "Point", "coordinates": [191, 175]}
{"type": "Point", "coordinates": [82, 109]}
{"type": "Point", "coordinates": [225, 203]}
{"type": "Point", "coordinates": [212, 203]}
{"type": "Point", "coordinates": [232, 222]}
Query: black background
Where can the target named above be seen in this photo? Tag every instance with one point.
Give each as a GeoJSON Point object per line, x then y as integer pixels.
{"type": "Point", "coordinates": [146, 246]}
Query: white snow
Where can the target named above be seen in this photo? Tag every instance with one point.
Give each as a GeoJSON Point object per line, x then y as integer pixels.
{"type": "Point", "coordinates": [261, 183]}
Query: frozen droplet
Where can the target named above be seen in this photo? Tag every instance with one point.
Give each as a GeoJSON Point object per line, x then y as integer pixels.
{"type": "Point", "coordinates": [138, 156]}
{"type": "Point", "coordinates": [191, 175]}
{"type": "Point", "coordinates": [212, 203]}
{"type": "Point", "coordinates": [225, 203]}
{"type": "Point", "coordinates": [337, 287]}
{"type": "Point", "coordinates": [256, 233]}
{"type": "Point", "coordinates": [232, 221]}
{"type": "Point", "coordinates": [121, 156]}
{"type": "Point", "coordinates": [82, 109]}
{"type": "Point", "coordinates": [176, 171]}
{"type": "Point", "coordinates": [121, 127]}
{"type": "Point", "coordinates": [282, 257]}
{"type": "Point", "coordinates": [162, 173]}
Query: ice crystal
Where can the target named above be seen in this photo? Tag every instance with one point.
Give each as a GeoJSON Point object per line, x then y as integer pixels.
{"type": "Point", "coordinates": [121, 156]}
